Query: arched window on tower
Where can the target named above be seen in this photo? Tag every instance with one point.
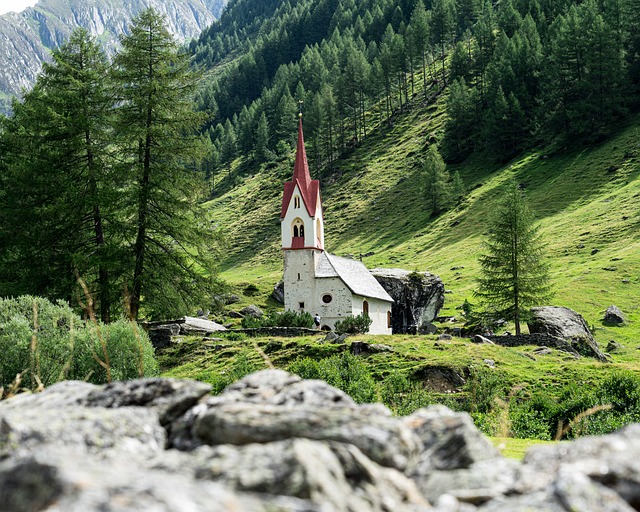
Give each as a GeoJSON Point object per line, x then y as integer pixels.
{"type": "Point", "coordinates": [296, 202]}
{"type": "Point", "coordinates": [297, 231]}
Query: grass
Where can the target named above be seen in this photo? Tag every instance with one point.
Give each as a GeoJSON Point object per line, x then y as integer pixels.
{"type": "Point", "coordinates": [515, 448]}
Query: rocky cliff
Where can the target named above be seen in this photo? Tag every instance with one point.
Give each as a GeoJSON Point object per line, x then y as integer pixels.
{"type": "Point", "coordinates": [26, 38]}
{"type": "Point", "coordinates": [274, 442]}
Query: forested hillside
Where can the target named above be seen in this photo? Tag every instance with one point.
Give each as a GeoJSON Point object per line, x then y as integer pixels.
{"type": "Point", "coordinates": [516, 73]}
{"type": "Point", "coordinates": [541, 92]}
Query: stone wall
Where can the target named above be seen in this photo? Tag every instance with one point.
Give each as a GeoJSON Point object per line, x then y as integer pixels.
{"type": "Point", "coordinates": [540, 340]}
{"type": "Point", "coordinates": [273, 442]}
{"type": "Point", "coordinates": [285, 332]}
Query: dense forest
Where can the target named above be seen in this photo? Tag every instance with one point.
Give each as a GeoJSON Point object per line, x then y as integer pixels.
{"type": "Point", "coordinates": [517, 72]}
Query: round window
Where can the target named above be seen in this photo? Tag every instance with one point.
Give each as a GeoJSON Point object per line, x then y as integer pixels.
{"type": "Point", "coordinates": [326, 298]}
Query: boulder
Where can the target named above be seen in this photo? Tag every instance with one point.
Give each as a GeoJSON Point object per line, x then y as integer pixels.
{"type": "Point", "coordinates": [613, 316]}
{"type": "Point", "coordinates": [418, 297]}
{"type": "Point", "coordinates": [252, 310]}
{"type": "Point", "coordinates": [481, 339]}
{"type": "Point", "coordinates": [190, 325]}
{"type": "Point", "coordinates": [162, 335]}
{"type": "Point", "coordinates": [566, 324]}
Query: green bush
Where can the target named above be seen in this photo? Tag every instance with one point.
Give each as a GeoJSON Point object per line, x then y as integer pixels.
{"type": "Point", "coordinates": [404, 396]}
{"type": "Point", "coordinates": [346, 372]}
{"type": "Point", "coordinates": [354, 324]}
{"type": "Point", "coordinates": [65, 345]}
{"type": "Point", "coordinates": [529, 423]}
{"type": "Point", "coordinates": [282, 319]}
{"type": "Point", "coordinates": [483, 386]}
{"type": "Point", "coordinates": [621, 390]}
{"type": "Point", "coordinates": [242, 366]}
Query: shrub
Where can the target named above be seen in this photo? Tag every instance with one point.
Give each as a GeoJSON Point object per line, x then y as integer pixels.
{"type": "Point", "coordinates": [282, 319]}
{"type": "Point", "coordinates": [242, 366]}
{"type": "Point", "coordinates": [346, 372]}
{"type": "Point", "coordinates": [354, 324]}
{"type": "Point", "coordinates": [529, 423]}
{"type": "Point", "coordinates": [65, 345]}
{"type": "Point", "coordinates": [483, 387]}
{"type": "Point", "coordinates": [621, 390]}
{"type": "Point", "coordinates": [404, 396]}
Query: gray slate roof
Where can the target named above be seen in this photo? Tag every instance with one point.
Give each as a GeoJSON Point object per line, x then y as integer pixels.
{"type": "Point", "coordinates": [353, 273]}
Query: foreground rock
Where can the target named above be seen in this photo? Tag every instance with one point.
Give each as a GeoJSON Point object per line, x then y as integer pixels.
{"type": "Point", "coordinates": [566, 324]}
{"type": "Point", "coordinates": [418, 298]}
{"type": "Point", "coordinates": [274, 442]}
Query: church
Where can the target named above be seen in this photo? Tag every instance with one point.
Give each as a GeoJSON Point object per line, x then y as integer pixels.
{"type": "Point", "coordinates": [314, 280]}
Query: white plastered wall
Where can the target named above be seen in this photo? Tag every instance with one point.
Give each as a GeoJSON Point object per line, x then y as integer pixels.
{"type": "Point", "coordinates": [378, 312]}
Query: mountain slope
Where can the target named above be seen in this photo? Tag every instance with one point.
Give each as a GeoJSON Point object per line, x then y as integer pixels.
{"type": "Point", "coordinates": [27, 37]}
{"type": "Point", "coordinates": [586, 201]}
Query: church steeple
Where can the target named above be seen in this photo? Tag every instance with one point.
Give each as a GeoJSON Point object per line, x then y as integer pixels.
{"type": "Point", "coordinates": [301, 213]}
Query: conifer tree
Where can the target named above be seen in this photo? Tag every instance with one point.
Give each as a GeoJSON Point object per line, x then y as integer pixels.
{"type": "Point", "coordinates": [514, 274]}
{"type": "Point", "coordinates": [60, 187]}
{"type": "Point", "coordinates": [262, 139]}
{"type": "Point", "coordinates": [171, 246]}
{"type": "Point", "coordinates": [437, 182]}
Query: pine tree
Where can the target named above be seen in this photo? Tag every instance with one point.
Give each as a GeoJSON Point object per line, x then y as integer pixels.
{"type": "Point", "coordinates": [437, 182]}
{"type": "Point", "coordinates": [514, 274]}
{"type": "Point", "coordinates": [60, 135]}
{"type": "Point", "coordinates": [420, 31]}
{"type": "Point", "coordinates": [171, 246]}
{"type": "Point", "coordinates": [443, 22]}
{"type": "Point", "coordinates": [262, 139]}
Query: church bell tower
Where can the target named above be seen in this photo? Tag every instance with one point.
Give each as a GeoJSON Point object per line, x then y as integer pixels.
{"type": "Point", "coordinates": [302, 228]}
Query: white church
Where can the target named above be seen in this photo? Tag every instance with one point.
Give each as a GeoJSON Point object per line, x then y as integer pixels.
{"type": "Point", "coordinates": [314, 280]}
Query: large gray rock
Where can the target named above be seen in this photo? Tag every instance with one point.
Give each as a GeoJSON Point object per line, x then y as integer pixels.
{"type": "Point", "coordinates": [568, 325]}
{"type": "Point", "coordinates": [274, 442]}
{"type": "Point", "coordinates": [195, 326]}
{"type": "Point", "coordinates": [418, 298]}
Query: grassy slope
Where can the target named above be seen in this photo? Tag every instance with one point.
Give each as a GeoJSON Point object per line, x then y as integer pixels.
{"type": "Point", "coordinates": [587, 202]}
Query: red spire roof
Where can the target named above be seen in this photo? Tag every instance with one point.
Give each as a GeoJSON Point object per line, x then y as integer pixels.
{"type": "Point", "coordinates": [309, 189]}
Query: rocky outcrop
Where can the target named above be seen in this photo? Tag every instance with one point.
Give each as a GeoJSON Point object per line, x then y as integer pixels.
{"type": "Point", "coordinates": [566, 324]}
{"type": "Point", "coordinates": [418, 297]}
{"type": "Point", "coordinates": [27, 37]}
{"type": "Point", "coordinates": [275, 442]}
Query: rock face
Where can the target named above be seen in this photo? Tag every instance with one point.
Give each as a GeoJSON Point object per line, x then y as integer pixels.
{"type": "Point", "coordinates": [275, 442]}
{"type": "Point", "coordinates": [568, 325]}
{"type": "Point", "coordinates": [418, 297]}
{"type": "Point", "coordinates": [26, 38]}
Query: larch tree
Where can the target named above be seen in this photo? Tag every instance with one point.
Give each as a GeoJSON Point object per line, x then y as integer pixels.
{"type": "Point", "coordinates": [172, 245]}
{"type": "Point", "coordinates": [61, 191]}
{"type": "Point", "coordinates": [514, 275]}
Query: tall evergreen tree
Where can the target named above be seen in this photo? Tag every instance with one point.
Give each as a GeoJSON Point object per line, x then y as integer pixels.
{"type": "Point", "coordinates": [420, 31]}
{"type": "Point", "coordinates": [443, 24]}
{"type": "Point", "coordinates": [156, 122]}
{"type": "Point", "coordinates": [437, 181]}
{"type": "Point", "coordinates": [514, 274]}
{"type": "Point", "coordinates": [60, 135]}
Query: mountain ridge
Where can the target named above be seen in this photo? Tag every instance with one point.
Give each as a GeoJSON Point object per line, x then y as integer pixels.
{"type": "Point", "coordinates": [28, 36]}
